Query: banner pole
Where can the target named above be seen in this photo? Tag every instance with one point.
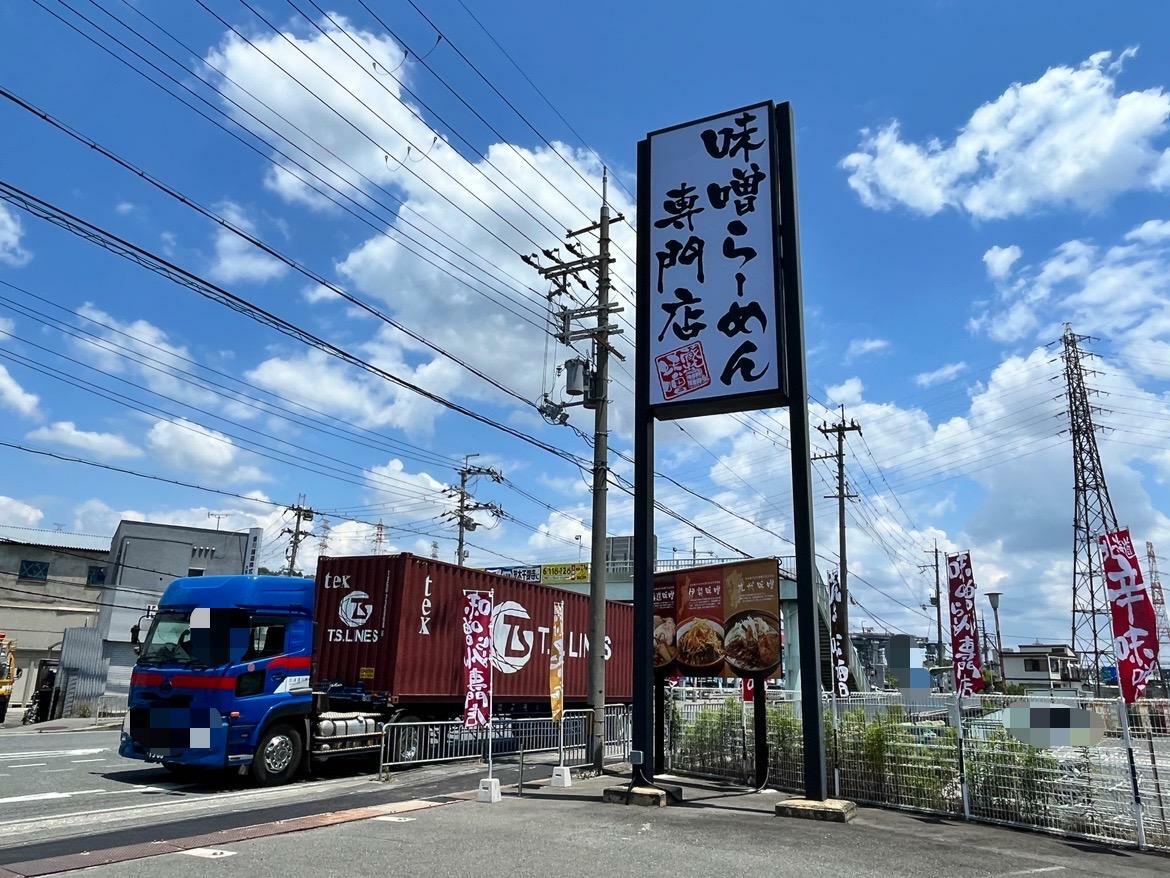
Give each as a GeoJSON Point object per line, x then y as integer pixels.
{"type": "Point", "coordinates": [491, 680]}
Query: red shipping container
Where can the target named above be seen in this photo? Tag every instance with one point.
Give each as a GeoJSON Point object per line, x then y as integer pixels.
{"type": "Point", "coordinates": [393, 624]}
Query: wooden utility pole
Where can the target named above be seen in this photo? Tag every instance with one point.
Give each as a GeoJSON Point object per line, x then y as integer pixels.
{"type": "Point", "coordinates": [940, 654]}
{"type": "Point", "coordinates": [301, 514]}
{"type": "Point", "coordinates": [839, 430]}
{"type": "Point", "coordinates": [461, 515]}
{"type": "Point", "coordinates": [596, 397]}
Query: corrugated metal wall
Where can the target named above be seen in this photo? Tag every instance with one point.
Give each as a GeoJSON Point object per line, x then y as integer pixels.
{"type": "Point", "coordinates": [81, 676]}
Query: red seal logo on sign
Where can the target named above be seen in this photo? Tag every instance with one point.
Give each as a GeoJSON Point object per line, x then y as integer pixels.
{"type": "Point", "coordinates": [683, 371]}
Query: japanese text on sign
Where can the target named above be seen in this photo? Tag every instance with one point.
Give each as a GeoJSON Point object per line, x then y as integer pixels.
{"type": "Point", "coordinates": [477, 659]}
{"type": "Point", "coordinates": [556, 662]}
{"type": "Point", "coordinates": [968, 667]}
{"type": "Point", "coordinates": [1135, 639]}
{"type": "Point", "coordinates": [838, 633]}
{"type": "Point", "coordinates": [713, 312]}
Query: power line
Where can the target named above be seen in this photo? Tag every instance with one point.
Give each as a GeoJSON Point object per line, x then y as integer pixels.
{"type": "Point", "coordinates": [97, 235]}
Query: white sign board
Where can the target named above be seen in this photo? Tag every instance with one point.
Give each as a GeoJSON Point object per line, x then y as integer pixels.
{"type": "Point", "coordinates": [714, 313]}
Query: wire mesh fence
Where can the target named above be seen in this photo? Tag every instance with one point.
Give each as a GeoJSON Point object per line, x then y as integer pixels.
{"type": "Point", "coordinates": [1071, 765]}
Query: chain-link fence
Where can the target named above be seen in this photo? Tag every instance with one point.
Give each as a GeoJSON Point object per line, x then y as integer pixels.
{"type": "Point", "coordinates": [1070, 765]}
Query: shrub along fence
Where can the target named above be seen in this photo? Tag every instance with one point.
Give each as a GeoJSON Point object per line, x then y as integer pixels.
{"type": "Point", "coordinates": [998, 759]}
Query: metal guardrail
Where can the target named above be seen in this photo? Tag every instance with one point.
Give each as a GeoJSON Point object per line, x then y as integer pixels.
{"type": "Point", "coordinates": [965, 758]}
{"type": "Point", "coordinates": [422, 743]}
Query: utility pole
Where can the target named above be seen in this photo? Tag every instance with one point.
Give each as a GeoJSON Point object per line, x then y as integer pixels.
{"type": "Point", "coordinates": [464, 507]}
{"type": "Point", "coordinates": [1093, 516]}
{"type": "Point", "coordinates": [839, 430]}
{"type": "Point", "coordinates": [301, 514]}
{"type": "Point", "coordinates": [1163, 623]}
{"type": "Point", "coordinates": [591, 381]}
{"type": "Point", "coordinates": [937, 601]}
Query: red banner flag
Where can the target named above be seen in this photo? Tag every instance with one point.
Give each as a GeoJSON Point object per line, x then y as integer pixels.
{"type": "Point", "coordinates": [968, 667]}
{"type": "Point", "coordinates": [749, 690]}
{"type": "Point", "coordinates": [1135, 640]}
{"type": "Point", "coordinates": [477, 658]}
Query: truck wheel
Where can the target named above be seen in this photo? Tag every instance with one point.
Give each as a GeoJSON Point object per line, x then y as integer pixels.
{"type": "Point", "coordinates": [278, 756]}
{"type": "Point", "coordinates": [407, 743]}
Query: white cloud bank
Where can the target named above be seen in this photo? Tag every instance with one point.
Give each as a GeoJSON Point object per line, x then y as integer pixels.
{"type": "Point", "coordinates": [11, 232]}
{"type": "Point", "coordinates": [106, 446]}
{"type": "Point", "coordinates": [1068, 138]}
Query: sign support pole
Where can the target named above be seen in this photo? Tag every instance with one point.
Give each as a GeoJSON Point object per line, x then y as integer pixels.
{"type": "Point", "coordinates": [802, 504]}
{"type": "Point", "coordinates": [643, 657]}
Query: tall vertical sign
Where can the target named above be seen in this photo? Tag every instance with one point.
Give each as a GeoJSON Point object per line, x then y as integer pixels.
{"type": "Point", "coordinates": [556, 662]}
{"type": "Point", "coordinates": [1135, 639]}
{"type": "Point", "coordinates": [477, 659]}
{"type": "Point", "coordinates": [838, 634]}
{"type": "Point", "coordinates": [967, 664]}
{"type": "Point", "coordinates": [720, 329]}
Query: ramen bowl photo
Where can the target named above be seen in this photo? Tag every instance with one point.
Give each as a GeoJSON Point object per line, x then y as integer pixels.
{"type": "Point", "coordinates": [700, 643]}
{"type": "Point", "coordinates": [752, 641]}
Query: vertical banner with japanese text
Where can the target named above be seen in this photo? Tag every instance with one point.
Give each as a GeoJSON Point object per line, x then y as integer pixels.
{"type": "Point", "coordinates": [556, 662]}
{"type": "Point", "coordinates": [715, 315]}
{"type": "Point", "coordinates": [477, 658]}
{"type": "Point", "coordinates": [838, 634]}
{"type": "Point", "coordinates": [968, 666]}
{"type": "Point", "coordinates": [1135, 639]}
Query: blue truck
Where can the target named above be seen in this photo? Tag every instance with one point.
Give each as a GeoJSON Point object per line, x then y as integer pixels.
{"type": "Point", "coordinates": [222, 678]}
{"type": "Point", "coordinates": [271, 675]}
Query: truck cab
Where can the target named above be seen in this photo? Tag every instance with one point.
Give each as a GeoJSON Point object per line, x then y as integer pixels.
{"type": "Point", "coordinates": [222, 678]}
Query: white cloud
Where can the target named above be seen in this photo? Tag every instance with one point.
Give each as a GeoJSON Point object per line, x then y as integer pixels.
{"type": "Point", "coordinates": [237, 259]}
{"type": "Point", "coordinates": [1120, 292]}
{"type": "Point", "coordinates": [17, 512]}
{"type": "Point", "coordinates": [96, 516]}
{"type": "Point", "coordinates": [125, 207]}
{"type": "Point", "coordinates": [861, 347]}
{"type": "Point", "coordinates": [106, 446]}
{"type": "Point", "coordinates": [999, 260]}
{"type": "Point", "coordinates": [471, 290]}
{"type": "Point", "coordinates": [11, 232]}
{"type": "Point", "coordinates": [169, 242]}
{"type": "Point", "coordinates": [940, 375]}
{"type": "Point", "coordinates": [199, 451]}
{"type": "Point", "coordinates": [1068, 138]}
{"type": "Point", "coordinates": [15, 397]}
{"type": "Point", "coordinates": [848, 392]}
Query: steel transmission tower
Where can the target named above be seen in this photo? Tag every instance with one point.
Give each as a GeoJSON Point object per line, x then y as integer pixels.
{"type": "Point", "coordinates": [1163, 621]}
{"type": "Point", "coordinates": [1092, 634]}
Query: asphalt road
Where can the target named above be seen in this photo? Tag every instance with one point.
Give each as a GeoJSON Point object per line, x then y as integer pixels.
{"type": "Point", "coordinates": [570, 833]}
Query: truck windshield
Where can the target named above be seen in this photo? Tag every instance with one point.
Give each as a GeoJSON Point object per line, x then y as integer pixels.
{"type": "Point", "coordinates": [172, 640]}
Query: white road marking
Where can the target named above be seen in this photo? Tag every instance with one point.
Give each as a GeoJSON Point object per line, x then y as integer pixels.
{"type": "Point", "coordinates": [40, 797]}
{"type": "Point", "coordinates": [1036, 871]}
{"type": "Point", "coordinates": [52, 754]}
{"type": "Point", "coordinates": [208, 853]}
{"type": "Point", "coordinates": [394, 818]}
{"type": "Point", "coordinates": [55, 770]}
{"type": "Point", "coordinates": [28, 765]}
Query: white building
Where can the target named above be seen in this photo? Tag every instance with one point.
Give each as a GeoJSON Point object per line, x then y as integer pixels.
{"type": "Point", "coordinates": [1040, 666]}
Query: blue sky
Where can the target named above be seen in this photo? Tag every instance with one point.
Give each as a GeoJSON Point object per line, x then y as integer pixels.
{"type": "Point", "coordinates": [971, 176]}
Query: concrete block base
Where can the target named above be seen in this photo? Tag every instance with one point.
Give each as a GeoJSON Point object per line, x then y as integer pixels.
{"type": "Point", "coordinates": [562, 777]}
{"type": "Point", "coordinates": [652, 797]}
{"type": "Point", "coordinates": [489, 790]}
{"type": "Point", "coordinates": [834, 810]}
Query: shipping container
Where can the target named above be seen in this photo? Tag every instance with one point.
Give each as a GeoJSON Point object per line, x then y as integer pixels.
{"type": "Point", "coordinates": [392, 626]}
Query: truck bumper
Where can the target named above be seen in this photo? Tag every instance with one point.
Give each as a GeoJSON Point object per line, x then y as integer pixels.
{"type": "Point", "coordinates": [197, 739]}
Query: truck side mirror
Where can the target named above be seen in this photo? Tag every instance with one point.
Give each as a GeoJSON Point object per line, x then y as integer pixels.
{"type": "Point", "coordinates": [134, 632]}
{"type": "Point", "coordinates": [19, 673]}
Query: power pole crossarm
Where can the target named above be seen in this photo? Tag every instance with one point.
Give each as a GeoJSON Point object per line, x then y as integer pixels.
{"type": "Point", "coordinates": [301, 513]}
{"type": "Point", "coordinates": [464, 507]}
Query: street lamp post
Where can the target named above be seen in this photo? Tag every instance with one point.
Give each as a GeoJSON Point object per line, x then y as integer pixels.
{"type": "Point", "coordinates": [993, 597]}
{"type": "Point", "coordinates": [579, 549]}
{"type": "Point", "coordinates": [694, 554]}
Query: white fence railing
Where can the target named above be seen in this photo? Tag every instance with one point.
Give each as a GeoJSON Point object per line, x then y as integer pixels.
{"type": "Point", "coordinates": [997, 759]}
{"type": "Point", "coordinates": [420, 743]}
